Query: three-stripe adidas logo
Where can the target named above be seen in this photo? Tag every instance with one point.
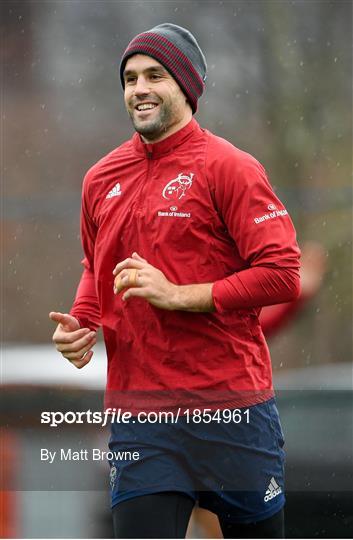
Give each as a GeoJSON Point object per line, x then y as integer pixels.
{"type": "Point", "coordinates": [273, 490]}
{"type": "Point", "coordinates": [115, 192]}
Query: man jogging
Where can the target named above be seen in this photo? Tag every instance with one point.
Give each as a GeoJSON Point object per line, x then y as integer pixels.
{"type": "Point", "coordinates": [184, 242]}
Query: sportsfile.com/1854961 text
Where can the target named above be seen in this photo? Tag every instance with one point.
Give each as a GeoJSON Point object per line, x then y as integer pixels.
{"type": "Point", "coordinates": [113, 415]}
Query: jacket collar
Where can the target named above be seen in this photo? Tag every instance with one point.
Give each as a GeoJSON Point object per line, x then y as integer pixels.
{"type": "Point", "coordinates": [166, 146]}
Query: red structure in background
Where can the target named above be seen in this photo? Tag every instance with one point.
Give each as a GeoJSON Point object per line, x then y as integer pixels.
{"type": "Point", "coordinates": [9, 502]}
{"type": "Point", "coordinates": [313, 267]}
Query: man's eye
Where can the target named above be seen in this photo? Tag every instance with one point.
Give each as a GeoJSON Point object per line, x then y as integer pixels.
{"type": "Point", "coordinates": [130, 80]}
{"type": "Point", "coordinates": [155, 76]}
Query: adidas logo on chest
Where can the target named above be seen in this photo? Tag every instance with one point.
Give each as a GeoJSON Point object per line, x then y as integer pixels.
{"type": "Point", "coordinates": [115, 192]}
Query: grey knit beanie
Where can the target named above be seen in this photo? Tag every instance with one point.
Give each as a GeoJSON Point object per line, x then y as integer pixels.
{"type": "Point", "coordinates": [178, 51]}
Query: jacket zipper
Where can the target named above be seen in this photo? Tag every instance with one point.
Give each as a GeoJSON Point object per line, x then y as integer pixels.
{"type": "Point", "coordinates": [141, 198]}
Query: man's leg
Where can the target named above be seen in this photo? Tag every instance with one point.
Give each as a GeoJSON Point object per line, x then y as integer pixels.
{"type": "Point", "coordinates": [159, 515]}
{"type": "Point", "coordinates": [272, 527]}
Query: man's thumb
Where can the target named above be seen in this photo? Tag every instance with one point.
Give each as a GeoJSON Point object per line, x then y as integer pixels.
{"type": "Point", "coordinates": [69, 322]}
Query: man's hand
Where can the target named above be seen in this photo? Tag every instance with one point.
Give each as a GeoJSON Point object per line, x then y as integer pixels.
{"type": "Point", "coordinates": [73, 342]}
{"type": "Point", "coordinates": [151, 284]}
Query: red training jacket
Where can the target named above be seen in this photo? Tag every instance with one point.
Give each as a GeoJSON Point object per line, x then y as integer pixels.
{"type": "Point", "coordinates": [201, 211]}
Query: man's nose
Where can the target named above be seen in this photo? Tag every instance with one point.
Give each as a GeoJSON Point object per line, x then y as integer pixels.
{"type": "Point", "coordinates": [142, 86]}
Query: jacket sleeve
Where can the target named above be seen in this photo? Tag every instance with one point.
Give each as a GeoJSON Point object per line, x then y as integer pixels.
{"type": "Point", "coordinates": [86, 306]}
{"type": "Point", "coordinates": [262, 231]}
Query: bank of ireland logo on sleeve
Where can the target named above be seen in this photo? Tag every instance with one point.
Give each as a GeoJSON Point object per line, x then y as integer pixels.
{"type": "Point", "coordinates": [271, 213]}
{"type": "Point", "coordinates": [177, 188]}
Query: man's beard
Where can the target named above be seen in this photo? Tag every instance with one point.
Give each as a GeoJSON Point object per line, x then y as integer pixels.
{"type": "Point", "coordinates": [154, 128]}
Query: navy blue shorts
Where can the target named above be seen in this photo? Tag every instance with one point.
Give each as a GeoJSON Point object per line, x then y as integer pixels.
{"type": "Point", "coordinates": [232, 468]}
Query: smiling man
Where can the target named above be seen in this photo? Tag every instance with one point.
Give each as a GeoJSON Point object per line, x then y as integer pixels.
{"type": "Point", "coordinates": [154, 100]}
{"type": "Point", "coordinates": [184, 242]}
